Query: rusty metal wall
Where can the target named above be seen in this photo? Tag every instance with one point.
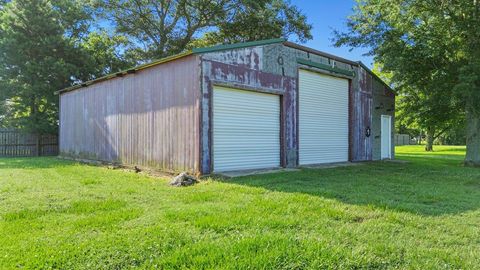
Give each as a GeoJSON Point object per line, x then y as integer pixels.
{"type": "Point", "coordinates": [383, 104]}
{"type": "Point", "coordinates": [361, 100]}
{"type": "Point", "coordinates": [370, 99]}
{"type": "Point", "coordinates": [161, 117]}
{"type": "Point", "coordinates": [274, 69]}
{"type": "Point", "coordinates": [271, 69]}
{"type": "Point", "coordinates": [247, 75]}
{"type": "Point", "coordinates": [148, 119]}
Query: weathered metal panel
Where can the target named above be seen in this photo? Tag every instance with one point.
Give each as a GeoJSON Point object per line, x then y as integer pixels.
{"type": "Point", "coordinates": [245, 57]}
{"type": "Point", "coordinates": [137, 119]}
{"type": "Point", "coordinates": [383, 104]}
{"type": "Point", "coordinates": [271, 68]}
{"type": "Point", "coordinates": [125, 72]}
{"type": "Point", "coordinates": [243, 75]}
{"type": "Point", "coordinates": [361, 118]}
{"type": "Point", "coordinates": [282, 60]}
{"type": "Point", "coordinates": [149, 119]}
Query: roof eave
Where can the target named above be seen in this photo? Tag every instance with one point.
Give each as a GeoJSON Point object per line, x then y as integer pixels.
{"type": "Point", "coordinates": [125, 72]}
{"type": "Point", "coordinates": [225, 47]}
{"type": "Point", "coordinates": [307, 49]}
{"type": "Point", "coordinates": [376, 77]}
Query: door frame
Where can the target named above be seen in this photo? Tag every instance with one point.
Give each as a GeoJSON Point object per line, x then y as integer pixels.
{"type": "Point", "coordinates": [389, 155]}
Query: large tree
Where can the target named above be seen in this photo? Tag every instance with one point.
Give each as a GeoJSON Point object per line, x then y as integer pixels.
{"type": "Point", "coordinates": [431, 47]}
{"type": "Point", "coordinates": [46, 45]}
{"type": "Point", "coordinates": [419, 108]}
{"type": "Point", "coordinates": [158, 28]}
{"type": "Point", "coordinates": [434, 114]}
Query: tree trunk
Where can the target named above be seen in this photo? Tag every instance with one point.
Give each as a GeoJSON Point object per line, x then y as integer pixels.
{"type": "Point", "coordinates": [472, 158]}
{"type": "Point", "coordinates": [430, 137]}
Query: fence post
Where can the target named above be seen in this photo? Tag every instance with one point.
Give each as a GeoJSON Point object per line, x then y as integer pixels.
{"type": "Point", "coordinates": [4, 136]}
{"type": "Point", "coordinates": [39, 137]}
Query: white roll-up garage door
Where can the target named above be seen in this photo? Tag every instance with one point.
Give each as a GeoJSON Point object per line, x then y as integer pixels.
{"type": "Point", "coordinates": [246, 130]}
{"type": "Point", "coordinates": [323, 118]}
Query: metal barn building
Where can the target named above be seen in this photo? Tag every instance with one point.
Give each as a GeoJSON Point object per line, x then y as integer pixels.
{"type": "Point", "coordinates": [253, 105]}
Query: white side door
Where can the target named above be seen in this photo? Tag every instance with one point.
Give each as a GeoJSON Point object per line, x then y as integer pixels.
{"type": "Point", "coordinates": [386, 137]}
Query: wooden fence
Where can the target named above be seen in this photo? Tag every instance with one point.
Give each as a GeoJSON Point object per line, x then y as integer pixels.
{"type": "Point", "coordinates": [14, 143]}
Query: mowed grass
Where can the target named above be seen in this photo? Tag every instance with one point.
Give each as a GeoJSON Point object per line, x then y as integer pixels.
{"type": "Point", "coordinates": [423, 214]}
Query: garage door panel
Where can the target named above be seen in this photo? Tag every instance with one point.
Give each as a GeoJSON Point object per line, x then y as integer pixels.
{"type": "Point", "coordinates": [245, 125]}
{"type": "Point", "coordinates": [323, 118]}
{"type": "Point", "coordinates": [246, 130]}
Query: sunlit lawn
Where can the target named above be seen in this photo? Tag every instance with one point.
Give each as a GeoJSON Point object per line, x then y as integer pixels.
{"type": "Point", "coordinates": [440, 151]}
{"type": "Point", "coordinates": [423, 214]}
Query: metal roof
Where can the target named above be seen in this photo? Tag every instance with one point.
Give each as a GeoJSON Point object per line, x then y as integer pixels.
{"type": "Point", "coordinates": [238, 45]}
{"type": "Point", "coordinates": [124, 72]}
{"type": "Point", "coordinates": [222, 47]}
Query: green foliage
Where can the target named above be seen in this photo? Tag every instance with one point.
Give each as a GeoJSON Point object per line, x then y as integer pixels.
{"type": "Point", "coordinates": [264, 19]}
{"type": "Point", "coordinates": [454, 136]}
{"type": "Point", "coordinates": [159, 28]}
{"type": "Point", "coordinates": [3, 114]}
{"type": "Point", "coordinates": [63, 215]}
{"type": "Point", "coordinates": [430, 48]}
{"type": "Point", "coordinates": [45, 46]}
{"type": "Point", "coordinates": [415, 113]}
{"type": "Point", "coordinates": [37, 58]}
{"type": "Point", "coordinates": [102, 55]}
{"type": "Point", "coordinates": [48, 45]}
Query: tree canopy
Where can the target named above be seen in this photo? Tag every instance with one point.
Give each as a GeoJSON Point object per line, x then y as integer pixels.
{"type": "Point", "coordinates": [432, 49]}
{"type": "Point", "coordinates": [47, 45]}
{"type": "Point", "coordinates": [421, 110]}
{"type": "Point", "coordinates": [158, 28]}
{"type": "Point", "coordinates": [37, 44]}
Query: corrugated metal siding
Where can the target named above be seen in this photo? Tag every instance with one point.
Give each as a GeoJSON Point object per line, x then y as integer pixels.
{"type": "Point", "coordinates": [149, 119]}
{"type": "Point", "coordinates": [323, 118]}
{"type": "Point", "coordinates": [361, 117]}
{"type": "Point", "coordinates": [383, 104]}
{"type": "Point", "coordinates": [246, 130]}
{"type": "Point", "coordinates": [272, 67]}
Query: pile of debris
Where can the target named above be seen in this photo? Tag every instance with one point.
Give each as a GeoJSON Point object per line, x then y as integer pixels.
{"type": "Point", "coordinates": [183, 180]}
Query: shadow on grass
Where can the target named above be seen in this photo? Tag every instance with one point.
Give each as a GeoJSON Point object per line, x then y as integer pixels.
{"type": "Point", "coordinates": [33, 162]}
{"type": "Point", "coordinates": [424, 186]}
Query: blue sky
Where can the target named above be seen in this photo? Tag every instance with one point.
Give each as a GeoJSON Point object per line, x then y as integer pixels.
{"type": "Point", "coordinates": [325, 16]}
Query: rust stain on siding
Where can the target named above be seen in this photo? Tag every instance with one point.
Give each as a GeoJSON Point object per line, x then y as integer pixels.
{"type": "Point", "coordinates": [243, 77]}
{"type": "Point", "coordinates": [249, 58]}
{"type": "Point", "coordinates": [361, 117]}
{"type": "Point", "coordinates": [160, 117]}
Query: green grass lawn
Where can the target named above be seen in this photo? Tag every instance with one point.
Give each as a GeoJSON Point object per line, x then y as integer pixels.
{"type": "Point", "coordinates": [424, 214]}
